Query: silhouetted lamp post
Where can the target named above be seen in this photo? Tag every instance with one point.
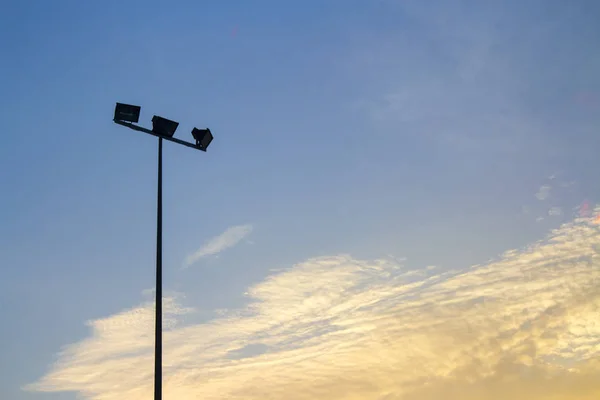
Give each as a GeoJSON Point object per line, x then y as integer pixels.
{"type": "Point", "coordinates": [128, 115]}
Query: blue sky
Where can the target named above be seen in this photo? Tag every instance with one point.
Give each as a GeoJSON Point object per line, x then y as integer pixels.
{"type": "Point", "coordinates": [374, 129]}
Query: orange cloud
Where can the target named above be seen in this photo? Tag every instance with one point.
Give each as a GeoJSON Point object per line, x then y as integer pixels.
{"type": "Point", "coordinates": [524, 327]}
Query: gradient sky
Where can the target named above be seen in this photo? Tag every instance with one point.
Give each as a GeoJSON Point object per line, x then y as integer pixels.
{"type": "Point", "coordinates": [392, 184]}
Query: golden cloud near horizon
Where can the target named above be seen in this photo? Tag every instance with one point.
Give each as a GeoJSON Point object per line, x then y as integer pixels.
{"type": "Point", "coordinates": [526, 326]}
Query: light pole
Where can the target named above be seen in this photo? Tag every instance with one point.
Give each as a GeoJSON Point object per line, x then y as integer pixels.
{"type": "Point", "coordinates": [128, 115]}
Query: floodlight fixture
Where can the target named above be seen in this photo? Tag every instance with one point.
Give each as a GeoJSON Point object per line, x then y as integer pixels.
{"type": "Point", "coordinates": [163, 126]}
{"type": "Point", "coordinates": [127, 113]}
{"type": "Point", "coordinates": [203, 137]}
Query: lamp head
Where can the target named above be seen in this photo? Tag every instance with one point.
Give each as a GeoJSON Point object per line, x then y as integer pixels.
{"type": "Point", "coordinates": [203, 137]}
{"type": "Point", "coordinates": [163, 126]}
{"type": "Point", "coordinates": [127, 113]}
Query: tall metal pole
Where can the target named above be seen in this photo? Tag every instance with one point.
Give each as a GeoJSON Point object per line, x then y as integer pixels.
{"type": "Point", "coordinates": [127, 115]}
{"type": "Point", "coordinates": [158, 322]}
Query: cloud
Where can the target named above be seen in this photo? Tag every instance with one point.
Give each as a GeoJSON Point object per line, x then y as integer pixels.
{"type": "Point", "coordinates": [524, 327]}
{"type": "Point", "coordinates": [555, 211]}
{"type": "Point", "coordinates": [457, 75]}
{"type": "Point", "coordinates": [543, 192]}
{"type": "Point", "coordinates": [225, 240]}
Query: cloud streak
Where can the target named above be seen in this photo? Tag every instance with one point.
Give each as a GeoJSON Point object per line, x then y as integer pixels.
{"type": "Point", "coordinates": [225, 240]}
{"type": "Point", "coordinates": [458, 76]}
{"type": "Point", "coordinates": [543, 192]}
{"type": "Point", "coordinates": [525, 326]}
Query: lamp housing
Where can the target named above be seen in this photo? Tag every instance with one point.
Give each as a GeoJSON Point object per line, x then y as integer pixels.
{"type": "Point", "coordinates": [203, 137]}
{"type": "Point", "coordinates": [163, 126]}
{"type": "Point", "coordinates": [127, 113]}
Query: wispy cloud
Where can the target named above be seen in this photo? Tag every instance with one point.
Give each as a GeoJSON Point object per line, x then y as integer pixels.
{"type": "Point", "coordinates": [458, 77]}
{"type": "Point", "coordinates": [525, 327]}
{"type": "Point", "coordinates": [225, 240]}
{"type": "Point", "coordinates": [543, 192]}
{"type": "Point", "coordinates": [555, 211]}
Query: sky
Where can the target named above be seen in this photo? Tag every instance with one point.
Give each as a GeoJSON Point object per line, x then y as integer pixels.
{"type": "Point", "coordinates": [400, 201]}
